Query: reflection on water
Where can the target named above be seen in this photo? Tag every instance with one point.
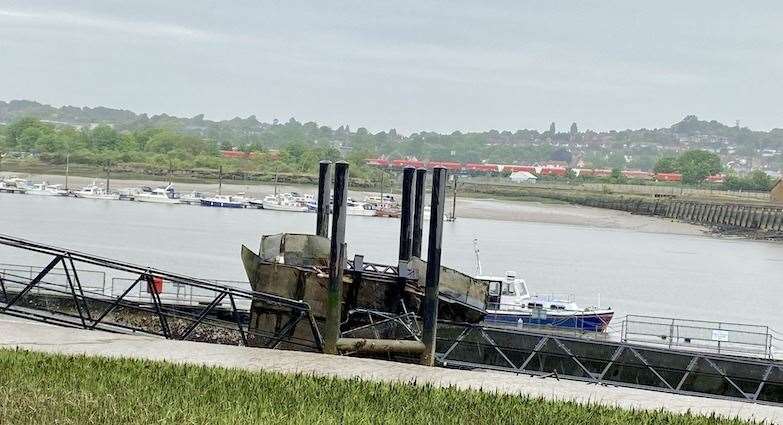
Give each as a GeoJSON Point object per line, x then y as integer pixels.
{"type": "Point", "coordinates": [633, 272]}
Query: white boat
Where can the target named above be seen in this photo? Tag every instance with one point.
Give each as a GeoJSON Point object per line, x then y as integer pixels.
{"type": "Point", "coordinates": [386, 199]}
{"type": "Point", "coordinates": [359, 208]}
{"type": "Point", "coordinates": [282, 203]}
{"type": "Point", "coordinates": [224, 201]}
{"type": "Point", "coordinates": [94, 192]}
{"type": "Point", "coordinates": [510, 304]}
{"type": "Point", "coordinates": [44, 189]}
{"type": "Point", "coordinates": [14, 185]}
{"type": "Point", "coordinates": [193, 198]}
{"type": "Point", "coordinates": [158, 195]}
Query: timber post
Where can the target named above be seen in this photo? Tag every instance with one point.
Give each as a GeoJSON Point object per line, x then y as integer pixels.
{"type": "Point", "coordinates": [435, 237]}
{"type": "Point", "coordinates": [336, 259]}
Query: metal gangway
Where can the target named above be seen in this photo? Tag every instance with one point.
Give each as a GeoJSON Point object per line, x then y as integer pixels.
{"type": "Point", "coordinates": [79, 290]}
{"type": "Point", "coordinates": [70, 288]}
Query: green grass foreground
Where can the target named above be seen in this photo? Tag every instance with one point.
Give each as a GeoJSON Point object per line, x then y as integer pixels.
{"type": "Point", "coordinates": [46, 389]}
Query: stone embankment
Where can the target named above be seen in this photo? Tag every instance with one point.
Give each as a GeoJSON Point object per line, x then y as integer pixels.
{"type": "Point", "coordinates": [755, 220]}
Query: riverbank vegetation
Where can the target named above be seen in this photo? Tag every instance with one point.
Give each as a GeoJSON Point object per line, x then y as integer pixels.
{"type": "Point", "coordinates": [153, 150]}
{"type": "Point", "coordinates": [44, 388]}
{"type": "Point", "coordinates": [292, 150]}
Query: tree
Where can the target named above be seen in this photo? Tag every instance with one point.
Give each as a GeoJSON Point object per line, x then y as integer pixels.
{"type": "Point", "coordinates": [552, 130]}
{"type": "Point", "coordinates": [667, 164]}
{"type": "Point", "coordinates": [696, 165]}
{"type": "Point", "coordinates": [573, 132]}
{"type": "Point", "coordinates": [561, 155]}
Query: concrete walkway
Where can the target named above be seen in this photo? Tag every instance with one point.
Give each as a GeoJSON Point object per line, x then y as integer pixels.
{"type": "Point", "coordinates": [18, 333]}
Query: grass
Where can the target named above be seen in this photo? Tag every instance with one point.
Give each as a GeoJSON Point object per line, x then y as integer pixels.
{"type": "Point", "coordinates": [44, 388]}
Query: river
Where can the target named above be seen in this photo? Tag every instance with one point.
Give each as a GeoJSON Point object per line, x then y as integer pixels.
{"type": "Point", "coordinates": [634, 272]}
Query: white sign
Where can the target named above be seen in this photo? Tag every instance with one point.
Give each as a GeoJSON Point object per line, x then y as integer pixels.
{"type": "Point", "coordinates": [718, 335]}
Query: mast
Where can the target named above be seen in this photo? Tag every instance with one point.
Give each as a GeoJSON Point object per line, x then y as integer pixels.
{"type": "Point", "coordinates": [108, 175]}
{"type": "Point", "coordinates": [381, 188]}
{"type": "Point", "coordinates": [478, 259]}
{"type": "Point", "coordinates": [454, 201]}
{"type": "Point", "coordinates": [276, 166]}
{"type": "Point", "coordinates": [220, 180]}
{"type": "Point", "coordinates": [67, 168]}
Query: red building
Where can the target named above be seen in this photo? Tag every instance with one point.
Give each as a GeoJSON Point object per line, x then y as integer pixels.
{"type": "Point", "coordinates": [668, 177]}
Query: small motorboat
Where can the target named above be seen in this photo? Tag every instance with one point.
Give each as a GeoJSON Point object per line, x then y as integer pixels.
{"type": "Point", "coordinates": [14, 185]}
{"type": "Point", "coordinates": [44, 189]}
{"type": "Point", "coordinates": [224, 201]}
{"type": "Point", "coordinates": [193, 198]}
{"type": "Point", "coordinates": [359, 208]}
{"type": "Point", "coordinates": [282, 203]}
{"type": "Point", "coordinates": [159, 195]}
{"type": "Point", "coordinates": [94, 192]}
{"type": "Point", "coordinates": [510, 304]}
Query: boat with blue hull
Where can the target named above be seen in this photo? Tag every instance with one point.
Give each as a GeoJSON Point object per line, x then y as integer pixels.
{"type": "Point", "coordinates": [587, 321]}
{"type": "Point", "coordinates": [224, 201]}
{"type": "Point", "coordinates": [510, 304]}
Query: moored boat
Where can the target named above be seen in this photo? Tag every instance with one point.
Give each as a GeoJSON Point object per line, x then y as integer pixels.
{"type": "Point", "coordinates": [14, 185]}
{"type": "Point", "coordinates": [282, 203]}
{"type": "Point", "coordinates": [510, 304]}
{"type": "Point", "coordinates": [224, 201]}
{"type": "Point", "coordinates": [359, 208]}
{"type": "Point", "coordinates": [158, 195]}
{"type": "Point", "coordinates": [193, 198]}
{"type": "Point", "coordinates": [45, 189]}
{"type": "Point", "coordinates": [94, 192]}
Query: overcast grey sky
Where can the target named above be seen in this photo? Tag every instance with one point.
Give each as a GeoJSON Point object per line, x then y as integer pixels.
{"type": "Point", "coordinates": [408, 65]}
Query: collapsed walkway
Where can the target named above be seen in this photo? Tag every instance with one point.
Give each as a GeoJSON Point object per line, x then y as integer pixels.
{"type": "Point", "coordinates": [34, 336]}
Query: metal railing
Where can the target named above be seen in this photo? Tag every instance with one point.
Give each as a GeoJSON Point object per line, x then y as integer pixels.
{"type": "Point", "coordinates": [525, 351]}
{"type": "Point", "coordinates": [218, 312]}
{"type": "Point", "coordinates": [701, 335]}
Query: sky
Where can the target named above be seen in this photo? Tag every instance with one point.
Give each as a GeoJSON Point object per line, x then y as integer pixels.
{"type": "Point", "coordinates": [408, 65]}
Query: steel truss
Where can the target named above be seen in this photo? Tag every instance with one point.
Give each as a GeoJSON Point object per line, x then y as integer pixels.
{"type": "Point", "coordinates": [610, 363]}
{"type": "Point", "coordinates": [72, 304]}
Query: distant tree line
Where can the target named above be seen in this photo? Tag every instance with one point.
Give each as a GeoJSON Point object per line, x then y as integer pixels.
{"type": "Point", "coordinates": [630, 149]}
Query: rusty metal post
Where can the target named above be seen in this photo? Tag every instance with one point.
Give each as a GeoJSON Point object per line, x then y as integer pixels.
{"type": "Point", "coordinates": [430, 307]}
{"type": "Point", "coordinates": [336, 259]}
{"type": "Point", "coordinates": [324, 186]}
{"type": "Point", "coordinates": [418, 212]}
{"type": "Point", "coordinates": [406, 216]}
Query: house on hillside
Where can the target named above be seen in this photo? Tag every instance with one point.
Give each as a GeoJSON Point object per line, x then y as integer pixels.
{"type": "Point", "coordinates": [777, 192]}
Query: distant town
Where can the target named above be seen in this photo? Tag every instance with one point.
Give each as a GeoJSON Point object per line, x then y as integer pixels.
{"type": "Point", "coordinates": [99, 135]}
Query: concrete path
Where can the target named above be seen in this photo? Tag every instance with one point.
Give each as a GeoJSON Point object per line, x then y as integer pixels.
{"type": "Point", "coordinates": [52, 339]}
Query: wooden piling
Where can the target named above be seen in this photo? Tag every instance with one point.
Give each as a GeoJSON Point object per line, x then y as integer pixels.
{"type": "Point", "coordinates": [336, 259]}
{"type": "Point", "coordinates": [324, 186]}
{"type": "Point", "coordinates": [744, 217]}
{"type": "Point", "coordinates": [418, 212]}
{"type": "Point", "coordinates": [777, 224]}
{"type": "Point", "coordinates": [705, 209]}
{"type": "Point", "coordinates": [406, 214]}
{"type": "Point", "coordinates": [430, 306]}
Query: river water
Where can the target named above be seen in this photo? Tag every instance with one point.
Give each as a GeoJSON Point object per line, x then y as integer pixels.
{"type": "Point", "coordinates": [686, 276]}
